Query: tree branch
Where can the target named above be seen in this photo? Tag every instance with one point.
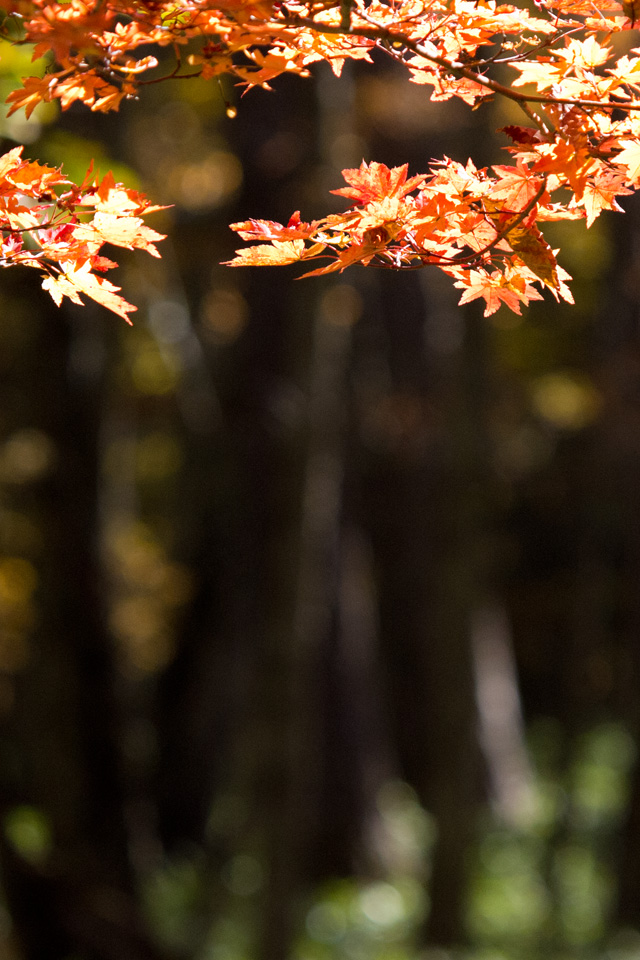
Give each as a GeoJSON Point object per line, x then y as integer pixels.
{"type": "Point", "coordinates": [381, 34]}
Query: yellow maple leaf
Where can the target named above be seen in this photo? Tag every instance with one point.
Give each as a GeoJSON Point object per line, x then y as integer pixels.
{"type": "Point", "coordinates": [630, 157]}
{"type": "Point", "coordinates": [269, 254]}
{"type": "Point", "coordinates": [74, 281]}
{"type": "Point", "coordinates": [129, 232]}
{"type": "Point", "coordinates": [544, 73]}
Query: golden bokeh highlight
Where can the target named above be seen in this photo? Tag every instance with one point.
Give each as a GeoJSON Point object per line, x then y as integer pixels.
{"type": "Point", "coordinates": [155, 373]}
{"type": "Point", "coordinates": [149, 591]}
{"type": "Point", "coordinates": [341, 306]}
{"type": "Point", "coordinates": [566, 400]}
{"type": "Point", "coordinates": [27, 455]}
{"type": "Point", "coordinates": [224, 315]}
{"type": "Point", "coordinates": [206, 183]}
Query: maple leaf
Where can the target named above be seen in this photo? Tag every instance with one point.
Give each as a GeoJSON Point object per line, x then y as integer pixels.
{"type": "Point", "coordinates": [384, 219]}
{"type": "Point", "coordinates": [356, 253]}
{"type": "Point", "coordinates": [586, 145]}
{"type": "Point", "coordinates": [587, 53]}
{"type": "Point", "coordinates": [522, 134]}
{"type": "Point", "coordinates": [85, 87]}
{"type": "Point", "coordinates": [445, 85]}
{"type": "Point", "coordinates": [544, 73]}
{"type": "Point", "coordinates": [128, 232]}
{"type": "Point", "coordinates": [270, 230]}
{"type": "Point", "coordinates": [496, 289]}
{"type": "Point", "coordinates": [10, 161]}
{"type": "Point", "coordinates": [629, 156]}
{"type": "Point", "coordinates": [600, 194]}
{"type": "Point", "coordinates": [269, 254]}
{"type": "Point", "coordinates": [31, 202]}
{"type": "Point", "coordinates": [110, 100]}
{"type": "Point", "coordinates": [11, 246]}
{"type": "Point", "coordinates": [563, 290]}
{"type": "Point", "coordinates": [516, 186]}
{"type": "Point", "coordinates": [111, 197]}
{"type": "Point", "coordinates": [536, 254]}
{"type": "Point", "coordinates": [74, 281]}
{"type": "Point", "coordinates": [375, 181]}
{"type": "Point", "coordinates": [36, 178]}
{"type": "Point", "coordinates": [22, 218]}
{"type": "Point", "coordinates": [34, 91]}
{"type": "Point", "coordinates": [102, 263]}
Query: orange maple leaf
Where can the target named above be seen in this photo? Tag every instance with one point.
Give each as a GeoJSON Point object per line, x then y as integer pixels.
{"type": "Point", "coordinates": [34, 91]}
{"type": "Point", "coordinates": [36, 178]}
{"type": "Point", "coordinates": [270, 230]}
{"type": "Point", "coordinates": [496, 289]}
{"type": "Point", "coordinates": [111, 197]}
{"type": "Point", "coordinates": [356, 253]}
{"type": "Point", "coordinates": [375, 181]}
{"type": "Point", "coordinates": [10, 161]}
{"type": "Point", "coordinates": [461, 217]}
{"type": "Point", "coordinates": [516, 186]}
{"type": "Point", "coordinates": [600, 194]}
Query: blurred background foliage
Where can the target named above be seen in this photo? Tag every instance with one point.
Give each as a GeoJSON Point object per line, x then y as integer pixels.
{"type": "Point", "coordinates": [319, 602]}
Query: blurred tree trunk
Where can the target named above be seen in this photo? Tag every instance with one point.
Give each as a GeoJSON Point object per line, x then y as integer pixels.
{"type": "Point", "coordinates": [620, 456]}
{"type": "Point", "coordinates": [427, 501]}
{"type": "Point", "coordinates": [244, 688]}
{"type": "Point", "coordinates": [80, 897]}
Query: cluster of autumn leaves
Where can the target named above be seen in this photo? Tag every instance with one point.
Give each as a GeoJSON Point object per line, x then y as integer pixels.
{"type": "Point", "coordinates": [460, 219]}
{"type": "Point", "coordinates": [574, 77]}
{"type": "Point", "coordinates": [60, 227]}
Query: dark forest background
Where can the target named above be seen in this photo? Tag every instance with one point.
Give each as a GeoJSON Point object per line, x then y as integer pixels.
{"type": "Point", "coordinates": [319, 600]}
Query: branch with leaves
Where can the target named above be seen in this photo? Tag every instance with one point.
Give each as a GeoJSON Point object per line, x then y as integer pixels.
{"type": "Point", "coordinates": [59, 228]}
{"type": "Point", "coordinates": [456, 219]}
{"type": "Point", "coordinates": [578, 152]}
